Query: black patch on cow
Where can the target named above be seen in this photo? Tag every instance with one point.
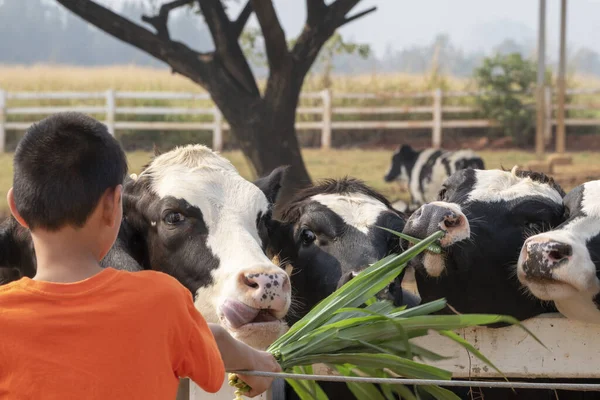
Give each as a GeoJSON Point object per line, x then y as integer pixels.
{"type": "Point", "coordinates": [573, 202]}
{"type": "Point", "coordinates": [447, 166]}
{"type": "Point", "coordinates": [17, 255]}
{"type": "Point", "coordinates": [427, 168]}
{"type": "Point", "coordinates": [270, 185]}
{"type": "Point", "coordinates": [464, 163]}
{"type": "Point", "coordinates": [405, 157]}
{"type": "Point", "coordinates": [178, 249]}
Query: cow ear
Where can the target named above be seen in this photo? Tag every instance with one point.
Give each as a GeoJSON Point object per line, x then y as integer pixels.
{"type": "Point", "coordinates": [271, 184]}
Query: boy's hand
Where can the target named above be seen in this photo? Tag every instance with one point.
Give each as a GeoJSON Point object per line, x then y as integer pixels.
{"type": "Point", "coordinates": [259, 361]}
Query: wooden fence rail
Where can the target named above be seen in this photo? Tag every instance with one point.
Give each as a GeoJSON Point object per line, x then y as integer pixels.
{"type": "Point", "coordinates": [11, 116]}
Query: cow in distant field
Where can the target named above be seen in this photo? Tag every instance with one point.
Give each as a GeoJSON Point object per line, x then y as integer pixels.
{"type": "Point", "coordinates": [563, 265]}
{"type": "Point", "coordinates": [424, 171]}
{"type": "Point", "coordinates": [191, 215]}
{"type": "Point", "coordinates": [486, 215]}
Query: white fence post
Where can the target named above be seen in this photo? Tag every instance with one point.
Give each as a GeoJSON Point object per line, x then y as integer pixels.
{"type": "Point", "coordinates": [217, 142]}
{"type": "Point", "coordinates": [436, 134]}
{"type": "Point", "coordinates": [110, 111]}
{"type": "Point", "coordinates": [2, 120]}
{"type": "Point", "coordinates": [326, 120]}
{"type": "Point", "coordinates": [548, 114]}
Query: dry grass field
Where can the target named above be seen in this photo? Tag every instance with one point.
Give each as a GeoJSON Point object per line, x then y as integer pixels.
{"type": "Point", "coordinates": [69, 78]}
{"type": "Point", "coordinates": [368, 165]}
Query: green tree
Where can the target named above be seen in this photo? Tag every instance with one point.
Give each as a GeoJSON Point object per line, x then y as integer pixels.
{"type": "Point", "coordinates": [507, 83]}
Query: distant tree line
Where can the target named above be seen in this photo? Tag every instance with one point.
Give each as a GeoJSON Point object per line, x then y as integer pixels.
{"type": "Point", "coordinates": [38, 31]}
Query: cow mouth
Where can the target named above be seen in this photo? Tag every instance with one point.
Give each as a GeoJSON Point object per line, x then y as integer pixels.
{"type": "Point", "coordinates": [547, 288]}
{"type": "Point", "coordinates": [237, 315]}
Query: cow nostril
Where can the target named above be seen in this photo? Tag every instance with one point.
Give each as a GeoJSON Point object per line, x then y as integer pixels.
{"type": "Point", "coordinates": [560, 251]}
{"type": "Point", "coordinates": [249, 282]}
{"type": "Point", "coordinates": [452, 221]}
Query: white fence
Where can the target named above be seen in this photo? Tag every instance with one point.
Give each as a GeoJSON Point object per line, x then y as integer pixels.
{"type": "Point", "coordinates": [572, 350]}
{"type": "Point", "coordinates": [326, 109]}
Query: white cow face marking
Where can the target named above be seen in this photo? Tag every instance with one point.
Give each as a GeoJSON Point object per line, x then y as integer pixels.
{"type": "Point", "coordinates": [356, 209]}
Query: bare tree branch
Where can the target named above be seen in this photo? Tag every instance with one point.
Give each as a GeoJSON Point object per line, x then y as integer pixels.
{"type": "Point", "coordinates": [175, 54]}
{"type": "Point", "coordinates": [275, 43]}
{"type": "Point", "coordinates": [340, 8]}
{"type": "Point", "coordinates": [159, 21]}
{"type": "Point", "coordinates": [240, 22]}
{"type": "Point", "coordinates": [315, 10]}
{"type": "Point", "coordinates": [357, 16]}
{"type": "Point", "coordinates": [320, 25]}
{"type": "Point", "coordinates": [226, 44]}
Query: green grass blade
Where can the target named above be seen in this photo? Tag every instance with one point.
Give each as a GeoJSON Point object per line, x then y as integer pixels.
{"type": "Point", "coordinates": [435, 248]}
{"type": "Point", "coordinates": [306, 390]}
{"type": "Point", "coordinates": [362, 391]}
{"type": "Point", "coordinates": [439, 393]}
{"type": "Point", "coordinates": [398, 365]}
{"type": "Point", "coordinates": [470, 348]}
{"type": "Point", "coordinates": [389, 389]}
{"type": "Point", "coordinates": [422, 309]}
{"type": "Point", "coordinates": [354, 293]}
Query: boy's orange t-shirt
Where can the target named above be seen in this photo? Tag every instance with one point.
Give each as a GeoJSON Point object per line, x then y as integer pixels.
{"type": "Point", "coordinates": [116, 335]}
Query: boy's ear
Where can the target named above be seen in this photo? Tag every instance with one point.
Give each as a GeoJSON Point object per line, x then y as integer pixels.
{"type": "Point", "coordinates": [112, 205]}
{"type": "Point", "coordinates": [13, 208]}
{"type": "Point", "coordinates": [116, 204]}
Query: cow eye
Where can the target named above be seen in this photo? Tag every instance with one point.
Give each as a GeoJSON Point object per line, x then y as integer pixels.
{"type": "Point", "coordinates": [174, 218]}
{"type": "Point", "coordinates": [307, 236]}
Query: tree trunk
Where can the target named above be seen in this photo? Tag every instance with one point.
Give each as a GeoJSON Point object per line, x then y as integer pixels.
{"type": "Point", "coordinates": [265, 129]}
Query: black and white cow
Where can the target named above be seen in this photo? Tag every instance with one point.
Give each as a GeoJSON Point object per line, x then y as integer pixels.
{"type": "Point", "coordinates": [191, 215]}
{"type": "Point", "coordinates": [16, 254]}
{"type": "Point", "coordinates": [424, 171]}
{"type": "Point", "coordinates": [487, 215]}
{"type": "Point", "coordinates": [563, 265]}
{"type": "Point", "coordinates": [333, 234]}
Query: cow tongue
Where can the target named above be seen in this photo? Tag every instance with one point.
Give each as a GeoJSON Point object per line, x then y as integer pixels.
{"type": "Point", "coordinates": [237, 313]}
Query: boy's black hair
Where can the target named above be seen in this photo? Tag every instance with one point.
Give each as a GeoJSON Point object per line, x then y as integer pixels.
{"type": "Point", "coordinates": [62, 166]}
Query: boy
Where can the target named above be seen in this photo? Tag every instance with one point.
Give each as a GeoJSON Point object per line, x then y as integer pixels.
{"type": "Point", "coordinates": [76, 330]}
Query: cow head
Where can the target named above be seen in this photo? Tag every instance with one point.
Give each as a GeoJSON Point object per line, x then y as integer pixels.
{"type": "Point", "coordinates": [486, 216]}
{"type": "Point", "coordinates": [208, 227]}
{"type": "Point", "coordinates": [17, 258]}
{"type": "Point", "coordinates": [334, 234]}
{"type": "Point", "coordinates": [563, 265]}
{"type": "Point", "coordinates": [403, 160]}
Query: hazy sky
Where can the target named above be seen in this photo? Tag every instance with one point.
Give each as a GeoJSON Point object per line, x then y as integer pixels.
{"type": "Point", "coordinates": [471, 24]}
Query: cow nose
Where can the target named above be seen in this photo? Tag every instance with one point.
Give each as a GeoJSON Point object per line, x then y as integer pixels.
{"type": "Point", "coordinates": [268, 289]}
{"type": "Point", "coordinates": [436, 216]}
{"type": "Point", "coordinates": [541, 257]}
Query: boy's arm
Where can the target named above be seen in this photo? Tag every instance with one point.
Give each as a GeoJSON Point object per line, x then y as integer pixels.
{"type": "Point", "coordinates": [206, 350]}
{"type": "Point", "coordinates": [239, 356]}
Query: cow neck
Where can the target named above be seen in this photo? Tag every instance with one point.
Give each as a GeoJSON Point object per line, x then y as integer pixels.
{"type": "Point", "coordinates": [68, 289]}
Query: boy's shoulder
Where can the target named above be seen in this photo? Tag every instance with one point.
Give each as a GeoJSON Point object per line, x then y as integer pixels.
{"type": "Point", "coordinates": [155, 282]}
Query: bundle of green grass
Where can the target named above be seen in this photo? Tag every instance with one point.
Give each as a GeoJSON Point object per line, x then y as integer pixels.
{"type": "Point", "coordinates": [358, 336]}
